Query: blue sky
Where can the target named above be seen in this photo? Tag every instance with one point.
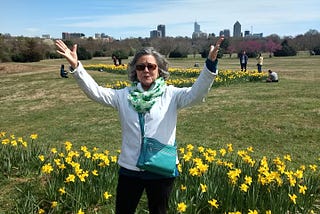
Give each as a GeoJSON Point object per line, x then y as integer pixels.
{"type": "Point", "coordinates": [136, 18]}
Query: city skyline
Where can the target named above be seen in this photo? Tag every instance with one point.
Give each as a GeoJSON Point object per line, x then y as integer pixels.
{"type": "Point", "coordinates": [127, 19]}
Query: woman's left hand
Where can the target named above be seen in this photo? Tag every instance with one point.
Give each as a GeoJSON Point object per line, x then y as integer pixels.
{"type": "Point", "coordinates": [70, 55]}
{"type": "Point", "coordinates": [213, 53]}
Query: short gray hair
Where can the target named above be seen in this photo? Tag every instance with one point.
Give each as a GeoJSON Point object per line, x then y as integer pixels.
{"type": "Point", "coordinates": [162, 63]}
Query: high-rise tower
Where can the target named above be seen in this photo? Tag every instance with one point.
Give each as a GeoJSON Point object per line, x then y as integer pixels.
{"type": "Point", "coordinates": [237, 29]}
{"type": "Point", "coordinates": [162, 29]}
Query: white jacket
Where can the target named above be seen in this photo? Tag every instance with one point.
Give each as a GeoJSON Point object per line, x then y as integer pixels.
{"type": "Point", "coordinates": [160, 122]}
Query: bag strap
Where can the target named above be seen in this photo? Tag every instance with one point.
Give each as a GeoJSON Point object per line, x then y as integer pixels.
{"type": "Point", "coordinates": [141, 122]}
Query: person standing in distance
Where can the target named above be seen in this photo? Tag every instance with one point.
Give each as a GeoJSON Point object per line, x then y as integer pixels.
{"type": "Point", "coordinates": [243, 61]}
{"type": "Point", "coordinates": [259, 63]}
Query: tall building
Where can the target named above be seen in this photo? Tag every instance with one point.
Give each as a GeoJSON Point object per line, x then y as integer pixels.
{"type": "Point", "coordinates": [162, 29]}
{"type": "Point", "coordinates": [225, 33]}
{"type": "Point", "coordinates": [237, 29]}
{"type": "Point", "coordinates": [66, 35]}
{"type": "Point", "coordinates": [159, 33]}
{"type": "Point", "coordinates": [46, 36]}
{"type": "Point", "coordinates": [197, 32]}
{"type": "Point", "coordinates": [257, 35]}
{"type": "Point", "coordinates": [247, 33]}
{"type": "Point", "coordinates": [196, 27]}
{"type": "Point", "coordinates": [155, 34]}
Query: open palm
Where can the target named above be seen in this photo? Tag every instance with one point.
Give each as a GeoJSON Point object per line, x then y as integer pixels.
{"type": "Point", "coordinates": [70, 55]}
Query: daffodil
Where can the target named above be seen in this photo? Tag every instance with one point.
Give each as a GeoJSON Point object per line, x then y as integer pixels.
{"type": "Point", "coordinates": [5, 141]}
{"type": "Point", "coordinates": [244, 187]}
{"type": "Point", "coordinates": [248, 179]}
{"type": "Point", "coordinates": [302, 189]}
{"type": "Point", "coordinates": [95, 172]}
{"type": "Point", "coordinates": [24, 144]}
{"type": "Point", "coordinates": [187, 157]}
{"type": "Point", "coordinates": [190, 147]}
{"type": "Point", "coordinates": [213, 203]}
{"type": "Point", "coordinates": [113, 159]}
{"type": "Point", "coordinates": [41, 158]}
{"type": "Point", "coordinates": [194, 172]}
{"type": "Point", "coordinates": [62, 166]}
{"type": "Point", "coordinates": [181, 150]}
{"type": "Point", "coordinates": [313, 167]}
{"type": "Point", "coordinates": [250, 149]}
{"type": "Point", "coordinates": [203, 188]}
{"type": "Point", "coordinates": [179, 167]}
{"type": "Point", "coordinates": [183, 187]}
{"type": "Point", "coordinates": [34, 136]}
{"type": "Point", "coordinates": [70, 178]}
{"type": "Point", "coordinates": [68, 145]}
{"type": "Point", "coordinates": [41, 211]}
{"type": "Point", "coordinates": [47, 168]}
{"type": "Point", "coordinates": [54, 204]}
{"type": "Point", "coordinates": [201, 149]}
{"type": "Point", "coordinates": [14, 143]}
{"type": "Point", "coordinates": [223, 152]}
{"type": "Point", "coordinates": [80, 211]}
{"type": "Point", "coordinates": [230, 148]}
{"type": "Point", "coordinates": [182, 207]}
{"type": "Point", "coordinates": [299, 174]}
{"type": "Point", "coordinates": [293, 198]}
{"type": "Point", "coordinates": [287, 157]}
{"type": "Point", "coordinates": [106, 195]}
{"type": "Point", "coordinates": [54, 150]}
{"type": "Point", "coordinates": [62, 190]}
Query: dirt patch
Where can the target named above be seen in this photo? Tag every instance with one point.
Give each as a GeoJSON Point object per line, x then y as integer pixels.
{"type": "Point", "coordinates": [7, 68]}
{"type": "Point", "coordinates": [23, 68]}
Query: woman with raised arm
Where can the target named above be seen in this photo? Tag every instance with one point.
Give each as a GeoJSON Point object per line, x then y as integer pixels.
{"type": "Point", "coordinates": [148, 112]}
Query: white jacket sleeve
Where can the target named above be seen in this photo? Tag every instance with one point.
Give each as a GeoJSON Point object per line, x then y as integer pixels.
{"type": "Point", "coordinates": [89, 86]}
{"type": "Point", "coordinates": [198, 91]}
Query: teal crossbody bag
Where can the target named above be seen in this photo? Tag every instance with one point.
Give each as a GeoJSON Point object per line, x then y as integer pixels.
{"type": "Point", "coordinates": [156, 157]}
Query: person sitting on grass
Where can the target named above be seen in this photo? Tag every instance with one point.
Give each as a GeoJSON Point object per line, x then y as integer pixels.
{"type": "Point", "coordinates": [63, 73]}
{"type": "Point", "coordinates": [273, 76]}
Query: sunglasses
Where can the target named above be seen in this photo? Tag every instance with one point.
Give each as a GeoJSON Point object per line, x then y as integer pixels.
{"type": "Point", "coordinates": [142, 67]}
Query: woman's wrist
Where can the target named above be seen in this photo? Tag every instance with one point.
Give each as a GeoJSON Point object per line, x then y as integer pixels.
{"type": "Point", "coordinates": [74, 66]}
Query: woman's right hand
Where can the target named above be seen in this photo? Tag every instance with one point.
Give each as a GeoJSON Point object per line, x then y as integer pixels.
{"type": "Point", "coordinates": [70, 55]}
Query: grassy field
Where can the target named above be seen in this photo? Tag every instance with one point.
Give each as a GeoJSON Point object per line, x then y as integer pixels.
{"type": "Point", "coordinates": [273, 118]}
{"type": "Point", "coordinates": [276, 119]}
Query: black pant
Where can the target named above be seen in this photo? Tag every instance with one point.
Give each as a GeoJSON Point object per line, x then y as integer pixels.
{"type": "Point", "coordinates": [130, 189]}
{"type": "Point", "coordinates": [243, 66]}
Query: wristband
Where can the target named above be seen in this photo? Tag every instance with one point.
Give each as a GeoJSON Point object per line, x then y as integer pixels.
{"type": "Point", "coordinates": [72, 70]}
{"type": "Point", "coordinates": [212, 65]}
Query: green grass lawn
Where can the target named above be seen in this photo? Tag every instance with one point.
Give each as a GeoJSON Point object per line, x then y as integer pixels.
{"type": "Point", "coordinates": [273, 118]}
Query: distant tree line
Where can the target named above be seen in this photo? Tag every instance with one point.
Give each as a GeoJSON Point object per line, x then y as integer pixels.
{"type": "Point", "coordinates": [26, 49]}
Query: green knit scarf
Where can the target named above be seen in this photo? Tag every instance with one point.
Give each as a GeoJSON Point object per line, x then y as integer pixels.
{"type": "Point", "coordinates": [142, 101]}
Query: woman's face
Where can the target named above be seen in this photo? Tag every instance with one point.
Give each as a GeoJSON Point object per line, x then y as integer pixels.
{"type": "Point", "coordinates": [147, 70]}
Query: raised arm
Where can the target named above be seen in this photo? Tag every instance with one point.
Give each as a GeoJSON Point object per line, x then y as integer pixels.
{"type": "Point", "coordinates": [70, 55]}
{"type": "Point", "coordinates": [195, 94]}
{"type": "Point", "coordinates": [214, 49]}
